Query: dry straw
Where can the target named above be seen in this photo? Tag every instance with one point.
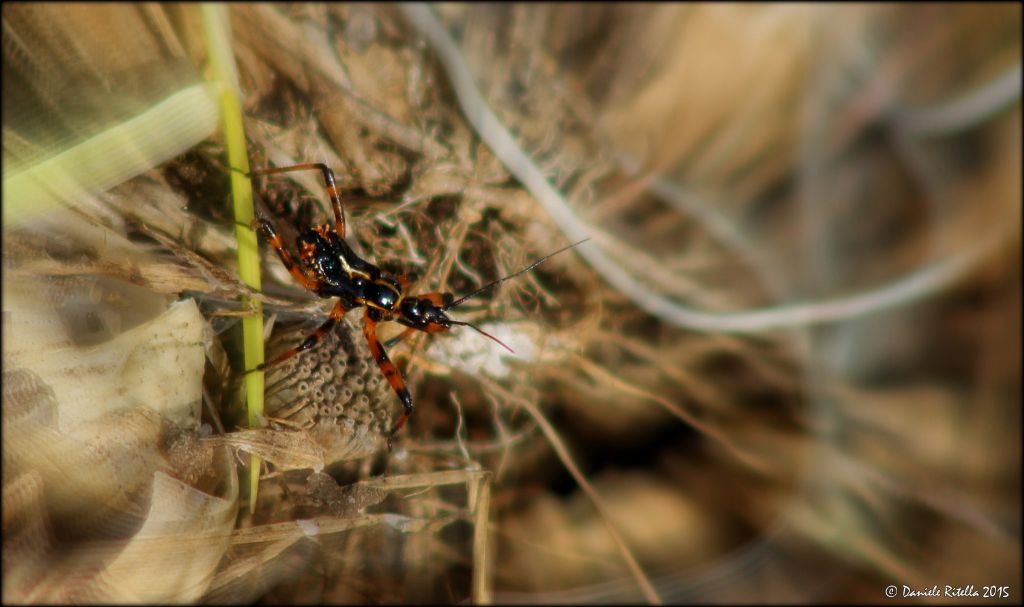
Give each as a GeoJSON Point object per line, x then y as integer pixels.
{"type": "Point", "coordinates": [779, 371]}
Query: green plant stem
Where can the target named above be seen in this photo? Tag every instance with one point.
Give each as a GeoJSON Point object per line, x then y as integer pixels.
{"type": "Point", "coordinates": [222, 68]}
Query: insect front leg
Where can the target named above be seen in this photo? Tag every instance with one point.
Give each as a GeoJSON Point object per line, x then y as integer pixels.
{"type": "Point", "coordinates": [311, 340]}
{"type": "Point", "coordinates": [390, 372]}
{"type": "Point", "coordinates": [400, 337]}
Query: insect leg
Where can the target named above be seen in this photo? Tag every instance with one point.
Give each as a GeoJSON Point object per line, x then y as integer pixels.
{"type": "Point", "coordinates": [407, 280]}
{"type": "Point", "coordinates": [274, 239]}
{"type": "Point", "coordinates": [311, 340]}
{"type": "Point", "coordinates": [390, 372]}
{"type": "Point", "coordinates": [332, 188]}
{"type": "Point", "coordinates": [400, 337]}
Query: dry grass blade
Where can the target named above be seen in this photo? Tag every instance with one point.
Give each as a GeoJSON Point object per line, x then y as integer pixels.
{"type": "Point", "coordinates": [650, 595]}
{"type": "Point", "coordinates": [483, 548]}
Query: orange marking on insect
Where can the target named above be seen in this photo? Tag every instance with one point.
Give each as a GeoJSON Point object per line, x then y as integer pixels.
{"type": "Point", "coordinates": [395, 380]}
{"type": "Point", "coordinates": [434, 298]}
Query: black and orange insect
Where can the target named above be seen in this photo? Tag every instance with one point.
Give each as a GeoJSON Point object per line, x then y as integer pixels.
{"type": "Point", "coordinates": [330, 268]}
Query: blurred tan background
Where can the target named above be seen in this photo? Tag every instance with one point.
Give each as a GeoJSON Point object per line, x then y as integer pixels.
{"type": "Point", "coordinates": [786, 367]}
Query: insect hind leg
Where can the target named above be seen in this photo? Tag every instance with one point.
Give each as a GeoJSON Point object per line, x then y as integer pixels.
{"type": "Point", "coordinates": [332, 187]}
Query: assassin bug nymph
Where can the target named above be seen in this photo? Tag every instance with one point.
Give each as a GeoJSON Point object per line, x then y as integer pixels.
{"type": "Point", "coordinates": [330, 268]}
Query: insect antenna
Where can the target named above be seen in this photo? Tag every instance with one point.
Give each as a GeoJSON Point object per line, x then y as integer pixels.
{"type": "Point", "coordinates": [513, 275]}
{"type": "Point", "coordinates": [482, 332]}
